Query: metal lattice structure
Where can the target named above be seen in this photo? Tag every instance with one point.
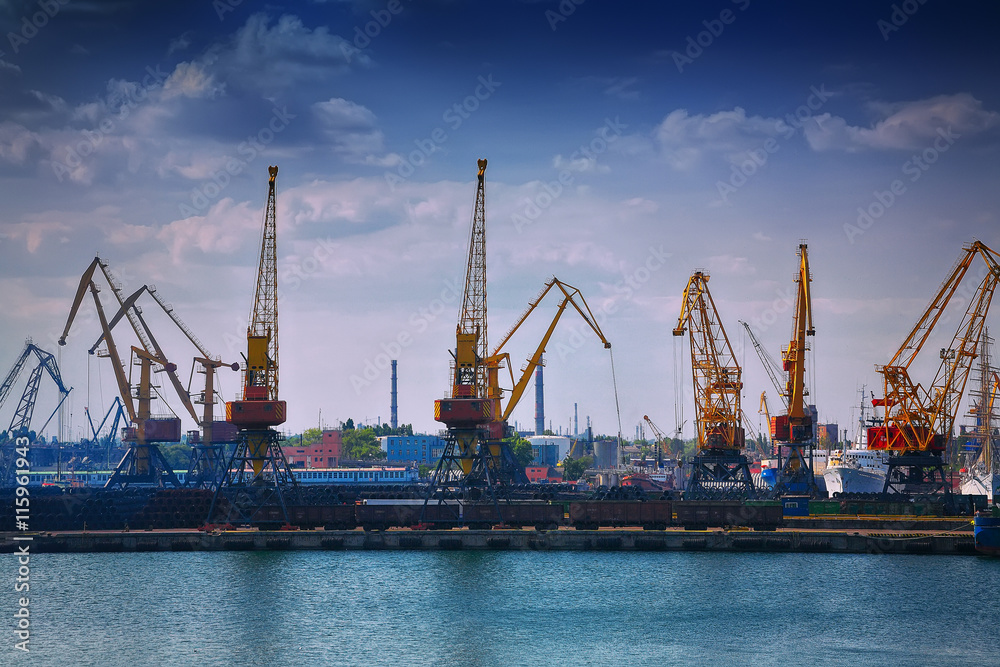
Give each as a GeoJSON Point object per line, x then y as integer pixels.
{"type": "Point", "coordinates": [794, 429]}
{"type": "Point", "coordinates": [264, 315]}
{"type": "Point", "coordinates": [918, 421]}
{"type": "Point", "coordinates": [257, 475]}
{"type": "Point", "coordinates": [719, 469]}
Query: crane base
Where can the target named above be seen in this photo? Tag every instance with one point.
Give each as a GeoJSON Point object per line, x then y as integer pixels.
{"type": "Point", "coordinates": [723, 476]}
{"type": "Point", "coordinates": [916, 475]}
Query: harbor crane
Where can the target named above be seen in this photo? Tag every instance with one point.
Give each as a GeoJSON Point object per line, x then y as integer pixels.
{"type": "Point", "coordinates": [207, 448]}
{"type": "Point", "coordinates": [143, 463]}
{"type": "Point", "coordinates": [477, 458]}
{"type": "Point", "coordinates": [257, 476]}
{"type": "Point", "coordinates": [719, 468]}
{"type": "Point", "coordinates": [918, 421]}
{"type": "Point", "coordinates": [793, 431]}
{"type": "Point", "coordinates": [661, 441]}
{"type": "Point", "coordinates": [20, 424]}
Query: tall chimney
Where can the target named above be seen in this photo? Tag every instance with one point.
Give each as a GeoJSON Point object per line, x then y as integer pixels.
{"type": "Point", "coordinates": [393, 415]}
{"type": "Point", "coordinates": [539, 400]}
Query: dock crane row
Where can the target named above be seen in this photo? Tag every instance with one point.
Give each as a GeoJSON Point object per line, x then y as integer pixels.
{"type": "Point", "coordinates": [143, 463]}
{"type": "Point", "coordinates": [20, 424]}
{"type": "Point", "coordinates": [918, 421]}
{"type": "Point", "coordinates": [477, 461]}
{"type": "Point", "coordinates": [257, 474]}
{"type": "Point", "coordinates": [719, 469]}
{"type": "Point", "coordinates": [208, 462]}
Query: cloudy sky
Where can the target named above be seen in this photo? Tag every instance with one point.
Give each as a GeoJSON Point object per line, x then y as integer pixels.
{"type": "Point", "coordinates": [628, 143]}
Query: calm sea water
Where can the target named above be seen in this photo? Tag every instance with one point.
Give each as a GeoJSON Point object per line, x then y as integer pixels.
{"type": "Point", "coordinates": [506, 608]}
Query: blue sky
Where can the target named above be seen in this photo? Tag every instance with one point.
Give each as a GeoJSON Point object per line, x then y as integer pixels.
{"type": "Point", "coordinates": [628, 144]}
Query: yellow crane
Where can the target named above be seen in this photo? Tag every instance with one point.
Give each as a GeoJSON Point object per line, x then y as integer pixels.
{"type": "Point", "coordinates": [257, 470]}
{"type": "Point", "coordinates": [476, 455]}
{"type": "Point", "coordinates": [499, 358]}
{"type": "Point", "coordinates": [794, 429]}
{"type": "Point", "coordinates": [918, 421]}
{"type": "Point", "coordinates": [719, 468]}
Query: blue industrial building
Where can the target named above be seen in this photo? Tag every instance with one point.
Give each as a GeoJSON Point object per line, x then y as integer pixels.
{"type": "Point", "coordinates": [425, 449]}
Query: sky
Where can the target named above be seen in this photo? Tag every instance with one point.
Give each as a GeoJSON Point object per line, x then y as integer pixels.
{"type": "Point", "coordinates": [629, 144]}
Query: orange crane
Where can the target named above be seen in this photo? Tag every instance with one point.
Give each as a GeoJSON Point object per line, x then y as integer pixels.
{"type": "Point", "coordinates": [794, 429]}
{"type": "Point", "coordinates": [918, 421]}
{"type": "Point", "coordinates": [207, 458]}
{"type": "Point", "coordinates": [257, 470]}
{"type": "Point", "coordinates": [719, 469]}
{"type": "Point", "coordinates": [143, 463]}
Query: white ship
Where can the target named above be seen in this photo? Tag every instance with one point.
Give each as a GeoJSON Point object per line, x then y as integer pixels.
{"type": "Point", "coordinates": [981, 476]}
{"type": "Point", "coordinates": [857, 469]}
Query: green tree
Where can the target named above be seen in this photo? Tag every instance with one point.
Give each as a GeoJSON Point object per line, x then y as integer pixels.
{"type": "Point", "coordinates": [361, 445]}
{"type": "Point", "coordinates": [424, 471]}
{"type": "Point", "coordinates": [311, 436]}
{"type": "Point", "coordinates": [574, 468]}
{"type": "Point", "coordinates": [522, 450]}
{"type": "Point", "coordinates": [178, 456]}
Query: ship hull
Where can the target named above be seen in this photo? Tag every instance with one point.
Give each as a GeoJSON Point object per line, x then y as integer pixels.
{"type": "Point", "coordinates": [853, 480]}
{"type": "Point", "coordinates": [980, 485]}
{"type": "Point", "coordinates": [987, 532]}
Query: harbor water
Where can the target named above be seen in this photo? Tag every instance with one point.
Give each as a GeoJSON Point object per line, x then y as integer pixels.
{"type": "Point", "coordinates": [506, 608]}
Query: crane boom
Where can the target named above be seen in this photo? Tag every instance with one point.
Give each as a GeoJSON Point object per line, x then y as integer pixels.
{"type": "Point", "coordinates": [716, 373]}
{"type": "Point", "coordinates": [770, 365]}
{"type": "Point", "coordinates": [569, 292]}
{"type": "Point", "coordinates": [919, 420]}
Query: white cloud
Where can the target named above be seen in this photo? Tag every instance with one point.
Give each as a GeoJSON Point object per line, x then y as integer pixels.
{"type": "Point", "coordinates": [191, 80]}
{"type": "Point", "coordinates": [351, 129]}
{"type": "Point", "coordinates": [684, 139]}
{"type": "Point", "coordinates": [903, 125]}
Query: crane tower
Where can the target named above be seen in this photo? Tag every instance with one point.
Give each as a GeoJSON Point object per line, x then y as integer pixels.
{"type": "Point", "coordinates": [257, 474]}
{"type": "Point", "coordinates": [719, 469]}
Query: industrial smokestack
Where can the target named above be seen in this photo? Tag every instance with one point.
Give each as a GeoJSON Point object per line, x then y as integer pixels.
{"type": "Point", "coordinates": [539, 400]}
{"type": "Point", "coordinates": [576, 421]}
{"type": "Point", "coordinates": [393, 416]}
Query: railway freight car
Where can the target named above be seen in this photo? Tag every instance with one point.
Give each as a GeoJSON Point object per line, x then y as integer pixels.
{"type": "Point", "coordinates": [651, 514]}
{"type": "Point", "coordinates": [703, 514]}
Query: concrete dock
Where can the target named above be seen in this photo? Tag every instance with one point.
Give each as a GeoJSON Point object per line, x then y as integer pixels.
{"type": "Point", "coordinates": [944, 536]}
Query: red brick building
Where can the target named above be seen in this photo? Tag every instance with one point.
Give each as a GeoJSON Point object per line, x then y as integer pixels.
{"type": "Point", "coordinates": [323, 454]}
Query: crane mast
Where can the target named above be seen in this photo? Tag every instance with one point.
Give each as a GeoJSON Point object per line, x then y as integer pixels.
{"type": "Point", "coordinates": [918, 421]}
{"type": "Point", "coordinates": [257, 470]}
{"type": "Point", "coordinates": [719, 469]}
{"type": "Point", "coordinates": [794, 430]}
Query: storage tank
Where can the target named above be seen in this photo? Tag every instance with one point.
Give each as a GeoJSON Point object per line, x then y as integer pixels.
{"type": "Point", "coordinates": [605, 454]}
